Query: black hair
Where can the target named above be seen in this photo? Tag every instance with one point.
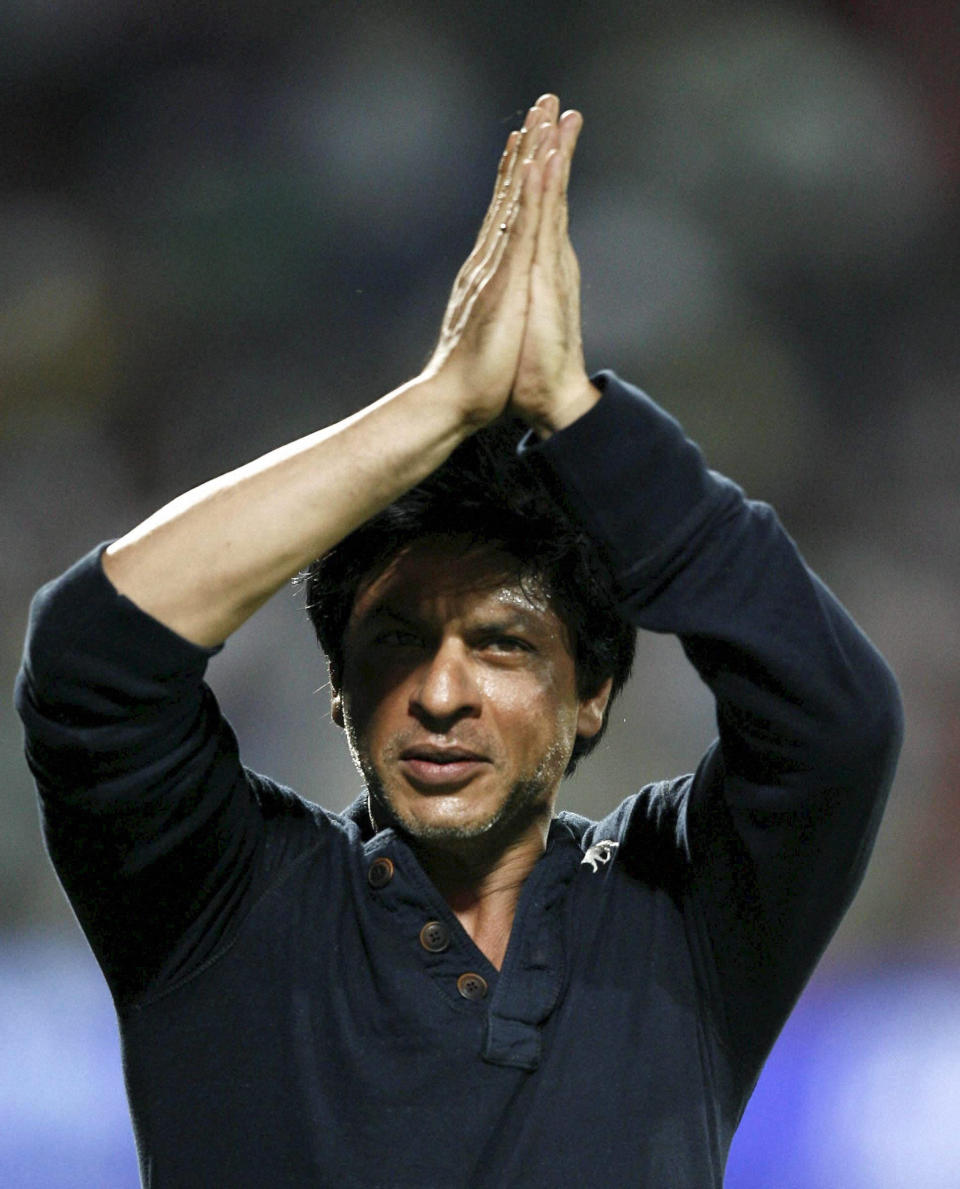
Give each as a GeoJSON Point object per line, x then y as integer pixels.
{"type": "Point", "coordinates": [486, 495]}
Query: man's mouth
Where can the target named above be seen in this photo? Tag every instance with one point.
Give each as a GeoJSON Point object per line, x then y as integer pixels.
{"type": "Point", "coordinates": [435, 766]}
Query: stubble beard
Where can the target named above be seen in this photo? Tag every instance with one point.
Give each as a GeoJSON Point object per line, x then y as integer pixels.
{"type": "Point", "coordinates": [527, 801]}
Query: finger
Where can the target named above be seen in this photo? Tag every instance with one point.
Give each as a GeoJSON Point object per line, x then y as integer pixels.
{"type": "Point", "coordinates": [502, 184]}
{"type": "Point", "coordinates": [513, 263]}
{"type": "Point", "coordinates": [553, 182]}
{"type": "Point", "coordinates": [506, 174]}
{"type": "Point", "coordinates": [528, 138]}
{"type": "Point", "coordinates": [548, 232]}
{"type": "Point", "coordinates": [531, 121]}
{"type": "Point", "coordinates": [533, 117]}
{"type": "Point", "coordinates": [549, 105]}
{"type": "Point", "coordinates": [570, 126]}
{"type": "Point", "coordinates": [518, 237]}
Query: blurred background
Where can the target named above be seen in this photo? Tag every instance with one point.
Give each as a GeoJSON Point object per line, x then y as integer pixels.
{"type": "Point", "coordinates": [225, 225]}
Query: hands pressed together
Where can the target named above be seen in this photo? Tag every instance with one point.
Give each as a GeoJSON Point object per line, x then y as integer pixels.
{"type": "Point", "coordinates": [511, 331]}
{"type": "Point", "coordinates": [510, 340]}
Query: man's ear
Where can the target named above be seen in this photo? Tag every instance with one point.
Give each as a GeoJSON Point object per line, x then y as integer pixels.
{"type": "Point", "coordinates": [336, 706]}
{"type": "Point", "coordinates": [592, 710]}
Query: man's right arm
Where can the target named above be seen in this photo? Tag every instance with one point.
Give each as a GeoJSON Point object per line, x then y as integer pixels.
{"type": "Point", "coordinates": [156, 831]}
{"type": "Point", "coordinates": [205, 562]}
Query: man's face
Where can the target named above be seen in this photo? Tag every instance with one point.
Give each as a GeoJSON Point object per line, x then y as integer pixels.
{"type": "Point", "coordinates": [459, 694]}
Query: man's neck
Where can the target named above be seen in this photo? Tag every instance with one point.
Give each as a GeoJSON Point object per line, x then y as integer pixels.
{"type": "Point", "coordinates": [483, 891]}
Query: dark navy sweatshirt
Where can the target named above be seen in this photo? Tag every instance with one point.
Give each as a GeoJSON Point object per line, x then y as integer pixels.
{"type": "Point", "coordinates": [297, 1003]}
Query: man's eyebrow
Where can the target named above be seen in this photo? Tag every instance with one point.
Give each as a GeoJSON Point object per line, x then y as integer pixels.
{"type": "Point", "coordinates": [511, 619]}
{"type": "Point", "coordinates": [386, 611]}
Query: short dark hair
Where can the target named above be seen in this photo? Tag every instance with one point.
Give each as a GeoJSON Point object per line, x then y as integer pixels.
{"type": "Point", "coordinates": [486, 495]}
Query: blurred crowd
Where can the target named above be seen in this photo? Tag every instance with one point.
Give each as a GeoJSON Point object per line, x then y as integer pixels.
{"type": "Point", "coordinates": [223, 226]}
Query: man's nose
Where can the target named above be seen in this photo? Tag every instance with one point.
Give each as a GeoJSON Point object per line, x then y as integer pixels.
{"type": "Point", "coordinates": [445, 688]}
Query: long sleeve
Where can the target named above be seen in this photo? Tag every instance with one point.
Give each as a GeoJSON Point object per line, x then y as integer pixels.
{"type": "Point", "coordinates": [156, 831]}
{"type": "Point", "coordinates": [773, 832]}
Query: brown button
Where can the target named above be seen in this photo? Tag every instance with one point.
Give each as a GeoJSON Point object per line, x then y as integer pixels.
{"type": "Point", "coordinates": [472, 986]}
{"type": "Point", "coordinates": [435, 937]}
{"type": "Point", "coordinates": [380, 873]}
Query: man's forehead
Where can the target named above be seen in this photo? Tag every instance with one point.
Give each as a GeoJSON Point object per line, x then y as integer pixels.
{"type": "Point", "coordinates": [437, 571]}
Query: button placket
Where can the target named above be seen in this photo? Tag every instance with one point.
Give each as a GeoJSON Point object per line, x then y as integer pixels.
{"type": "Point", "coordinates": [443, 952]}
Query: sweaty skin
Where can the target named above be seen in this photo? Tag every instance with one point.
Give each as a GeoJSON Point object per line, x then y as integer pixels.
{"type": "Point", "coordinates": [460, 702]}
{"type": "Point", "coordinates": [459, 694]}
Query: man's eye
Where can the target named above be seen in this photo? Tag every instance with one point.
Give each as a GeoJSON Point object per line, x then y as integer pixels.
{"type": "Point", "coordinates": [397, 638]}
{"type": "Point", "coordinates": [507, 644]}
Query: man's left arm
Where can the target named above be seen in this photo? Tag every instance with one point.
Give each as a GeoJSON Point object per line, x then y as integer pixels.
{"type": "Point", "coordinates": [779, 820]}
{"type": "Point", "coordinates": [780, 817]}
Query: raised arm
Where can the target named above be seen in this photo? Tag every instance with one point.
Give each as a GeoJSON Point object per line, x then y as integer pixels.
{"type": "Point", "coordinates": [205, 562]}
{"type": "Point", "coordinates": [159, 835]}
{"type": "Point", "coordinates": [770, 838]}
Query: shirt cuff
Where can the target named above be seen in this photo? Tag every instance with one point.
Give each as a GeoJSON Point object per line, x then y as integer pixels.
{"type": "Point", "coordinates": [626, 471]}
{"type": "Point", "coordinates": [81, 613]}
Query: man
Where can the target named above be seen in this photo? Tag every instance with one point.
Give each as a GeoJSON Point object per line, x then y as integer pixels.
{"type": "Point", "coordinates": [448, 984]}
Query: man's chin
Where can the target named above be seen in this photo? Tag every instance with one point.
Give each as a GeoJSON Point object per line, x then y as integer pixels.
{"type": "Point", "coordinates": [438, 817]}
{"type": "Point", "coordinates": [450, 820]}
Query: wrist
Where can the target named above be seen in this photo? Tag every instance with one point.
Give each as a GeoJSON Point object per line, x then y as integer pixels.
{"type": "Point", "coordinates": [567, 405]}
{"type": "Point", "coordinates": [468, 406]}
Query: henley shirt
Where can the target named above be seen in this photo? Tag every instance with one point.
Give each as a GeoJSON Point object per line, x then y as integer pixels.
{"type": "Point", "coordinates": [298, 1005]}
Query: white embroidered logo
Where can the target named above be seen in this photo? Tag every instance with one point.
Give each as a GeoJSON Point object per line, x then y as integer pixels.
{"type": "Point", "coordinates": [600, 852]}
